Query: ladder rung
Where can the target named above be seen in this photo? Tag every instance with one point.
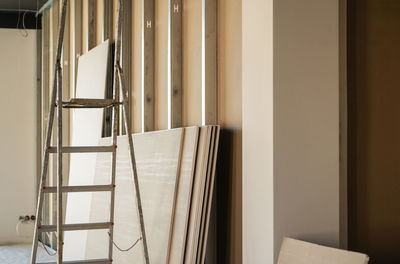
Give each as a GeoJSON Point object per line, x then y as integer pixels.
{"type": "Point", "coordinates": [93, 261]}
{"type": "Point", "coordinates": [83, 149]}
{"type": "Point", "coordinates": [90, 103]}
{"type": "Point", "coordinates": [75, 227]}
{"type": "Point", "coordinates": [84, 188]}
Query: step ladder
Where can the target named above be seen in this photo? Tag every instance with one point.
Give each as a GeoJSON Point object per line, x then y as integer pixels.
{"type": "Point", "coordinates": [57, 103]}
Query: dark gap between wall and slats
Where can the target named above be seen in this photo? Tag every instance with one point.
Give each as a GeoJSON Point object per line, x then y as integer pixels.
{"type": "Point", "coordinates": [9, 19]}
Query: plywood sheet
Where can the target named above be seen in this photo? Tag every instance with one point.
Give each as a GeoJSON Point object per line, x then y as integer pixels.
{"type": "Point", "coordinates": [86, 131]}
{"type": "Point", "coordinates": [197, 194]}
{"type": "Point", "coordinates": [210, 193]}
{"type": "Point", "coordinates": [157, 156]}
{"type": "Point", "coordinates": [184, 191]}
{"type": "Point", "coordinates": [300, 252]}
{"type": "Point", "coordinates": [205, 195]}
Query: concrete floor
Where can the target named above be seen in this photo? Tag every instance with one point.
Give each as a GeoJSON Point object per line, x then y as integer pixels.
{"type": "Point", "coordinates": [21, 254]}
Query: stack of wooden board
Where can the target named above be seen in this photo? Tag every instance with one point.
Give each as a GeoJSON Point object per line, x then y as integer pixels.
{"type": "Point", "coordinates": [176, 171]}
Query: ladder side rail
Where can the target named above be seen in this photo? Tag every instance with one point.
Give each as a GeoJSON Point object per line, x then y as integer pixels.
{"type": "Point", "coordinates": [49, 131]}
{"type": "Point", "coordinates": [133, 163]}
{"type": "Point", "coordinates": [59, 172]}
{"type": "Point", "coordinates": [115, 126]}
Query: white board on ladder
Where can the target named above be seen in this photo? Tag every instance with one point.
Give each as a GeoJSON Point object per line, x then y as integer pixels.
{"type": "Point", "coordinates": [86, 131]}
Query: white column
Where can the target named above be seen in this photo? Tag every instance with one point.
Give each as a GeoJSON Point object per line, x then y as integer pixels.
{"type": "Point", "coordinates": [290, 125]}
{"type": "Point", "coordinates": [257, 89]}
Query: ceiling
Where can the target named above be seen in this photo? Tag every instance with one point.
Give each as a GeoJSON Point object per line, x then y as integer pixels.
{"type": "Point", "coordinates": [23, 4]}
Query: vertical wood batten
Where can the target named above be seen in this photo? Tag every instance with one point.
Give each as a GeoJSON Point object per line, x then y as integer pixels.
{"type": "Point", "coordinates": [161, 65]}
{"type": "Point", "coordinates": [192, 54]}
{"type": "Point", "coordinates": [92, 30]}
{"type": "Point", "coordinates": [148, 66]}
{"type": "Point", "coordinates": [77, 43]}
{"type": "Point", "coordinates": [107, 20]}
{"type": "Point", "coordinates": [126, 55]}
{"type": "Point", "coordinates": [107, 34]}
{"type": "Point", "coordinates": [136, 96]}
{"type": "Point", "coordinates": [210, 99]}
{"type": "Point", "coordinates": [175, 45]}
{"type": "Point", "coordinates": [209, 62]}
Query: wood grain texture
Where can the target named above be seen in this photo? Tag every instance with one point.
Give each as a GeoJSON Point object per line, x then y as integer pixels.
{"type": "Point", "coordinates": [210, 93]}
{"type": "Point", "coordinates": [157, 158]}
{"type": "Point", "coordinates": [184, 192]}
{"type": "Point", "coordinates": [205, 252]}
{"type": "Point", "coordinates": [92, 30]}
{"type": "Point", "coordinates": [126, 54]}
{"type": "Point", "coordinates": [175, 32]}
{"type": "Point", "coordinates": [197, 195]}
{"type": "Point", "coordinates": [148, 65]}
{"type": "Point", "coordinates": [300, 252]}
{"type": "Point", "coordinates": [204, 208]}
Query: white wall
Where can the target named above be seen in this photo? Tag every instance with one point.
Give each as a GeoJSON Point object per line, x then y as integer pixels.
{"type": "Point", "coordinates": [257, 98]}
{"type": "Point", "coordinates": [290, 124]}
{"type": "Point", "coordinates": [17, 133]}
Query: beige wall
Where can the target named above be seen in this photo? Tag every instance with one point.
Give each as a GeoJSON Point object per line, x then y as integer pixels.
{"type": "Point", "coordinates": [306, 121]}
{"type": "Point", "coordinates": [18, 150]}
{"type": "Point", "coordinates": [290, 125]}
{"type": "Point", "coordinates": [230, 119]}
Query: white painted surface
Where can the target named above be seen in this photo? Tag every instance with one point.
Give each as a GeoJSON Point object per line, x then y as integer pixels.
{"type": "Point", "coordinates": [86, 131]}
{"type": "Point", "coordinates": [257, 83]}
{"type": "Point", "coordinates": [290, 125]}
{"type": "Point", "coordinates": [17, 114]}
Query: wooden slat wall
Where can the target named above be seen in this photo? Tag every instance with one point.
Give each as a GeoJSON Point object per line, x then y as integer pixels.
{"type": "Point", "coordinates": [126, 54]}
{"type": "Point", "coordinates": [179, 49]}
{"type": "Point", "coordinates": [209, 62]}
{"type": "Point", "coordinates": [91, 26]}
{"type": "Point", "coordinates": [175, 88]}
{"type": "Point", "coordinates": [175, 65]}
{"type": "Point", "coordinates": [148, 64]}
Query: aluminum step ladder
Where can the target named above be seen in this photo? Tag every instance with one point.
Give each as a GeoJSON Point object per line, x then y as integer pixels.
{"type": "Point", "coordinates": [57, 103]}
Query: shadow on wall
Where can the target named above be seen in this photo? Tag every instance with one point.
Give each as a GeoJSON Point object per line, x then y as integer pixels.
{"type": "Point", "coordinates": [227, 206]}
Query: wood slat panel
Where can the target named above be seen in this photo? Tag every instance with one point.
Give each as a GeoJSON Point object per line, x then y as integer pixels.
{"type": "Point", "coordinates": [148, 65]}
{"type": "Point", "coordinates": [92, 30]}
{"type": "Point", "coordinates": [175, 88]}
{"type": "Point", "coordinates": [126, 55]}
{"type": "Point", "coordinates": [107, 20]}
{"type": "Point", "coordinates": [192, 64]}
{"type": "Point", "coordinates": [77, 42]}
{"type": "Point", "coordinates": [209, 71]}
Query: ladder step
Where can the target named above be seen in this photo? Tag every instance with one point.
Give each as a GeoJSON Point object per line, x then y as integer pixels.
{"type": "Point", "coordinates": [93, 261]}
{"type": "Point", "coordinates": [75, 227]}
{"type": "Point", "coordinates": [83, 188]}
{"type": "Point", "coordinates": [83, 149]}
{"type": "Point", "coordinates": [90, 103]}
